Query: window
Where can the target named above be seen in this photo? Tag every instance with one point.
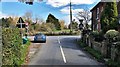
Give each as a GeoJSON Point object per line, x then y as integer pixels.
{"type": "Point", "coordinates": [102, 9]}
{"type": "Point", "coordinates": [97, 13]}
{"type": "Point", "coordinates": [119, 21]}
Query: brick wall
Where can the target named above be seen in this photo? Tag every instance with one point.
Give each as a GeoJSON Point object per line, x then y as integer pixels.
{"type": "Point", "coordinates": [119, 14]}
{"type": "Point", "coordinates": [118, 7]}
{"type": "Point", "coordinates": [96, 21]}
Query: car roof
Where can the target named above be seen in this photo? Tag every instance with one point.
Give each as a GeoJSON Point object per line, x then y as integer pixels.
{"type": "Point", "coordinates": [39, 34]}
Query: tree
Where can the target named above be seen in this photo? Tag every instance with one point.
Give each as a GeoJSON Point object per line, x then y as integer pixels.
{"type": "Point", "coordinates": [74, 25]}
{"type": "Point", "coordinates": [14, 20]}
{"type": "Point", "coordinates": [38, 19]}
{"type": "Point", "coordinates": [109, 17]}
{"type": "Point", "coordinates": [8, 22]}
{"type": "Point", "coordinates": [62, 24]}
{"type": "Point", "coordinates": [85, 15]}
{"type": "Point", "coordinates": [28, 17]}
{"type": "Point", "coordinates": [5, 22]}
{"type": "Point", "coordinates": [55, 21]}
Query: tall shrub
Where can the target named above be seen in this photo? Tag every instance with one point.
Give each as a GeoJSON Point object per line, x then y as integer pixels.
{"type": "Point", "coordinates": [54, 20]}
{"type": "Point", "coordinates": [11, 41]}
{"type": "Point", "coordinates": [109, 16]}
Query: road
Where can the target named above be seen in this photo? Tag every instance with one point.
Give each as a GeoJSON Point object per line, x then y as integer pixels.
{"type": "Point", "coordinates": [61, 50]}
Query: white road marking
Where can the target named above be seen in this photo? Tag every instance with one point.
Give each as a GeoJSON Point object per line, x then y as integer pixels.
{"type": "Point", "coordinates": [58, 40]}
{"type": "Point", "coordinates": [63, 55]}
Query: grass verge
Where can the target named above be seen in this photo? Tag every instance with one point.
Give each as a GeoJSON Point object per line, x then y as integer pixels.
{"type": "Point", "coordinates": [24, 51]}
{"type": "Point", "coordinates": [98, 56]}
{"type": "Point", "coordinates": [111, 63]}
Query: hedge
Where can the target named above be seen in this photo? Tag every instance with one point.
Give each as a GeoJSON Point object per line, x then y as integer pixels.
{"type": "Point", "coordinates": [12, 50]}
{"type": "Point", "coordinates": [94, 53]}
{"type": "Point", "coordinates": [91, 51]}
{"type": "Point", "coordinates": [57, 33]}
{"type": "Point", "coordinates": [112, 35]}
{"type": "Point", "coordinates": [97, 35]}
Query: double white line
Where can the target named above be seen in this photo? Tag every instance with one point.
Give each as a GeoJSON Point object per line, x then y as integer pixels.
{"type": "Point", "coordinates": [63, 55]}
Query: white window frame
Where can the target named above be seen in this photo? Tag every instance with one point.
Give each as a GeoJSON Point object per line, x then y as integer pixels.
{"type": "Point", "coordinates": [98, 13]}
{"type": "Point", "coordinates": [119, 21]}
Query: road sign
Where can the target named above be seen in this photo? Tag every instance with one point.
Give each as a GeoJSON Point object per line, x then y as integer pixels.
{"type": "Point", "coordinates": [20, 20]}
{"type": "Point", "coordinates": [21, 23]}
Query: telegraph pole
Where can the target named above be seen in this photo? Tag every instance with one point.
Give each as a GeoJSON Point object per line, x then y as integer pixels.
{"type": "Point", "coordinates": [70, 17]}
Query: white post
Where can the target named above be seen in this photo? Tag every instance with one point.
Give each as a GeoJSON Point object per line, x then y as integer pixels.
{"type": "Point", "coordinates": [21, 29]}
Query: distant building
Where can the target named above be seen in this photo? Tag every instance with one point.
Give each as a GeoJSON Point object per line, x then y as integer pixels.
{"type": "Point", "coordinates": [96, 15]}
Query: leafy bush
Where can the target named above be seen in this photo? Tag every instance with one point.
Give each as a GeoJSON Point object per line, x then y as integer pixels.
{"type": "Point", "coordinates": [112, 63]}
{"type": "Point", "coordinates": [81, 44]}
{"type": "Point", "coordinates": [11, 40]}
{"type": "Point", "coordinates": [60, 33]}
{"type": "Point", "coordinates": [13, 50]}
{"type": "Point", "coordinates": [44, 27]}
{"type": "Point", "coordinates": [95, 53]}
{"type": "Point", "coordinates": [118, 37]}
{"type": "Point", "coordinates": [90, 50]}
{"type": "Point", "coordinates": [24, 50]}
{"type": "Point", "coordinates": [112, 35]}
{"type": "Point", "coordinates": [97, 35]}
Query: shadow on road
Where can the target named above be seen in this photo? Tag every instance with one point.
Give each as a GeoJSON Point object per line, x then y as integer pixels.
{"type": "Point", "coordinates": [36, 42]}
{"type": "Point", "coordinates": [69, 43]}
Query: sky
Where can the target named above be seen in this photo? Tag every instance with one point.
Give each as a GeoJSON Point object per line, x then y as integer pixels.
{"type": "Point", "coordinates": [59, 8]}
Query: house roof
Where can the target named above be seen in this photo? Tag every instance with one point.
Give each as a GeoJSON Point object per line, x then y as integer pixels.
{"type": "Point", "coordinates": [97, 5]}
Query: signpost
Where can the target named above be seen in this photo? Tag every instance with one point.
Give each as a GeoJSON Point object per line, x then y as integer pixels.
{"type": "Point", "coordinates": [21, 24]}
{"type": "Point", "coordinates": [81, 27]}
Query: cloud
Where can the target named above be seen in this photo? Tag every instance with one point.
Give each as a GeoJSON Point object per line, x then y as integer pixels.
{"type": "Point", "coordinates": [67, 19]}
{"type": "Point", "coordinates": [75, 16]}
{"type": "Point", "coordinates": [59, 3]}
{"type": "Point", "coordinates": [3, 15]}
{"type": "Point", "coordinates": [21, 0]}
{"type": "Point", "coordinates": [66, 10]}
{"type": "Point", "coordinates": [9, 0]}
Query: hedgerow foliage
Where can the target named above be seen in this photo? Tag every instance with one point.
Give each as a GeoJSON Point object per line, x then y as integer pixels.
{"type": "Point", "coordinates": [12, 42]}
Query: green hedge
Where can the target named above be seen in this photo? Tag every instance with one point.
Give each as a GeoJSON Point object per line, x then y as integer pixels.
{"type": "Point", "coordinates": [24, 50]}
{"type": "Point", "coordinates": [97, 35]}
{"type": "Point", "coordinates": [81, 44]}
{"type": "Point", "coordinates": [95, 53]}
{"type": "Point", "coordinates": [90, 50]}
{"type": "Point", "coordinates": [111, 63]}
{"type": "Point", "coordinates": [58, 33]}
{"type": "Point", "coordinates": [13, 51]}
{"type": "Point", "coordinates": [112, 35]}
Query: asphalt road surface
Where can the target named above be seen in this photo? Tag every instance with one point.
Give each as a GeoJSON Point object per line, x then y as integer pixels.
{"type": "Point", "coordinates": [62, 50]}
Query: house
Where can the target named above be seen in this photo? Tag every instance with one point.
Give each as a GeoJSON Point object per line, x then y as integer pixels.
{"type": "Point", "coordinates": [96, 15]}
{"type": "Point", "coordinates": [118, 5]}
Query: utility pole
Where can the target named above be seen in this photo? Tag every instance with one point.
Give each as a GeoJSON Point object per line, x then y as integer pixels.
{"type": "Point", "coordinates": [70, 18]}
